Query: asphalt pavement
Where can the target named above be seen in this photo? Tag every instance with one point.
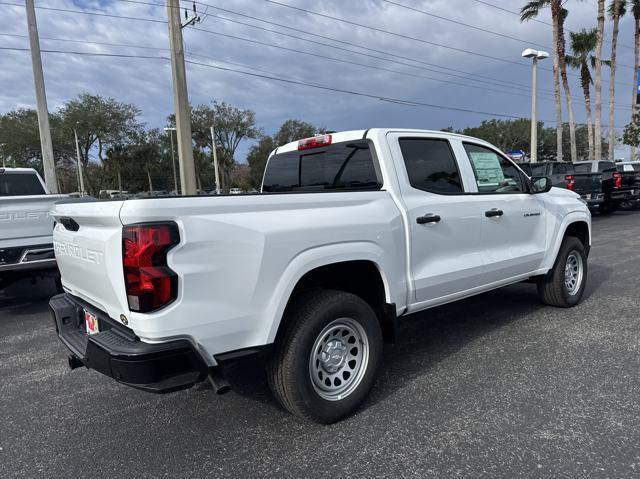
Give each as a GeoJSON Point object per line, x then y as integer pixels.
{"type": "Point", "coordinates": [493, 386]}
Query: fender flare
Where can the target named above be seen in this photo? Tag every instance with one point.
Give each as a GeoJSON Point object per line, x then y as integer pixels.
{"type": "Point", "coordinates": [313, 258]}
{"type": "Point", "coordinates": [569, 219]}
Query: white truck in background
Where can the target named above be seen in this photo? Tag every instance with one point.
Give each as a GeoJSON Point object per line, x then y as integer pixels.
{"type": "Point", "coordinates": [26, 228]}
{"type": "Point", "coordinates": [352, 232]}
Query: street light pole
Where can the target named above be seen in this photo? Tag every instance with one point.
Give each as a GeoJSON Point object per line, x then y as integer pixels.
{"type": "Point", "coordinates": [535, 56]}
{"type": "Point", "coordinates": [81, 181]}
{"type": "Point", "coordinates": [215, 160]}
{"type": "Point", "coordinates": [173, 159]}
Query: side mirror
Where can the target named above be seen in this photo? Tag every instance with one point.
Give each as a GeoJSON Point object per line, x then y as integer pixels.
{"type": "Point", "coordinates": [539, 184]}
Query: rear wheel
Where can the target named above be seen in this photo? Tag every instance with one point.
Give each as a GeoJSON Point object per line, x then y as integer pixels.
{"type": "Point", "coordinates": [326, 357]}
{"type": "Point", "coordinates": [607, 208]}
{"type": "Point", "coordinates": [564, 285]}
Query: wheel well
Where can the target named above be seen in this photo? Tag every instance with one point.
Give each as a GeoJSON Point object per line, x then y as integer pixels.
{"type": "Point", "coordinates": [579, 230]}
{"type": "Point", "coordinates": [359, 277]}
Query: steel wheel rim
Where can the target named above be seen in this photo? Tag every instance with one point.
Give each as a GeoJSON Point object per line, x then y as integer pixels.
{"type": "Point", "coordinates": [339, 359]}
{"type": "Point", "coordinates": [573, 272]}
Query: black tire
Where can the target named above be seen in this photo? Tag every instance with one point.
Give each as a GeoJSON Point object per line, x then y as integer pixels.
{"type": "Point", "coordinates": [552, 287]}
{"type": "Point", "coordinates": [607, 208]}
{"type": "Point", "coordinates": [290, 368]}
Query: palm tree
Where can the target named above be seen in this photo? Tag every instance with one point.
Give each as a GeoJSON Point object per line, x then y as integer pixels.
{"type": "Point", "coordinates": [597, 131]}
{"type": "Point", "coordinates": [561, 47]}
{"type": "Point", "coordinates": [558, 16]}
{"type": "Point", "coordinates": [617, 8]}
{"type": "Point", "coordinates": [583, 44]}
{"type": "Point", "coordinates": [529, 12]}
{"type": "Point", "coordinates": [635, 8]}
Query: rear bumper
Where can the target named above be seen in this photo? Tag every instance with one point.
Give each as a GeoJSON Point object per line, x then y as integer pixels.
{"type": "Point", "coordinates": [593, 199]}
{"type": "Point", "coordinates": [116, 352]}
{"type": "Point", "coordinates": [24, 258]}
{"type": "Point", "coordinates": [625, 195]}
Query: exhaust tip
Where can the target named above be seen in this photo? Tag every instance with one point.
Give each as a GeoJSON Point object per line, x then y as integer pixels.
{"type": "Point", "coordinates": [218, 382]}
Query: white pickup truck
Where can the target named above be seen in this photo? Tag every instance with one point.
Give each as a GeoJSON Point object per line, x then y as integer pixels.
{"type": "Point", "coordinates": [352, 231]}
{"type": "Point", "coordinates": [26, 243]}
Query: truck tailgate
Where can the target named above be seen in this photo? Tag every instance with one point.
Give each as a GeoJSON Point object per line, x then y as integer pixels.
{"type": "Point", "coordinates": [588, 183]}
{"type": "Point", "coordinates": [24, 220]}
{"type": "Point", "coordinates": [87, 240]}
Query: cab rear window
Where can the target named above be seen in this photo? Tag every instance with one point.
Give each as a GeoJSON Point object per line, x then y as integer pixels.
{"type": "Point", "coordinates": [341, 166]}
{"type": "Point", "coordinates": [20, 184]}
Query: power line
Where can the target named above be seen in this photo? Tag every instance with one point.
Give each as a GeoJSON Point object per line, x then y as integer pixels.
{"type": "Point", "coordinates": [284, 80]}
{"type": "Point", "coordinates": [416, 39]}
{"type": "Point", "coordinates": [497, 7]}
{"type": "Point", "coordinates": [396, 34]}
{"type": "Point", "coordinates": [297, 8]}
{"type": "Point", "coordinates": [466, 25]}
{"type": "Point", "coordinates": [393, 100]}
{"type": "Point", "coordinates": [84, 12]}
{"type": "Point", "coordinates": [474, 27]}
{"type": "Point", "coordinates": [257, 69]}
{"type": "Point", "coordinates": [493, 81]}
{"type": "Point", "coordinates": [91, 54]}
{"type": "Point", "coordinates": [484, 88]}
{"type": "Point", "coordinates": [326, 57]}
{"type": "Point", "coordinates": [87, 42]}
{"type": "Point", "coordinates": [473, 76]}
{"type": "Point", "coordinates": [102, 14]}
{"type": "Point", "coordinates": [399, 101]}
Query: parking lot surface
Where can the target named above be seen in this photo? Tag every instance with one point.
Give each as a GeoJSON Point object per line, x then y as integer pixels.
{"type": "Point", "coordinates": [493, 386]}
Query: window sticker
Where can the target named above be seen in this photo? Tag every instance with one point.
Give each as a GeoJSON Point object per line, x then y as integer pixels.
{"type": "Point", "coordinates": [487, 167]}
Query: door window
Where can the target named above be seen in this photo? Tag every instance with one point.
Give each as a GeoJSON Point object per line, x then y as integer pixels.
{"type": "Point", "coordinates": [582, 167]}
{"type": "Point", "coordinates": [493, 172]}
{"type": "Point", "coordinates": [606, 167]}
{"type": "Point", "coordinates": [431, 165]}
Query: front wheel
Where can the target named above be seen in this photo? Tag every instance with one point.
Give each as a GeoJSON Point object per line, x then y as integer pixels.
{"type": "Point", "coordinates": [326, 358]}
{"type": "Point", "coordinates": [564, 285]}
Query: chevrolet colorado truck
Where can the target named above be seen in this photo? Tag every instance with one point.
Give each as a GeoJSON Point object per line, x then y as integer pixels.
{"type": "Point", "coordinates": [26, 229]}
{"type": "Point", "coordinates": [352, 232]}
{"type": "Point", "coordinates": [563, 175]}
{"type": "Point", "coordinates": [618, 187]}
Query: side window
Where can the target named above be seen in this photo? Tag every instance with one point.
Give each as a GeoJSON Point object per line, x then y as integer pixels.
{"type": "Point", "coordinates": [493, 172]}
{"type": "Point", "coordinates": [431, 165]}
{"type": "Point", "coordinates": [606, 166]}
{"type": "Point", "coordinates": [582, 168]}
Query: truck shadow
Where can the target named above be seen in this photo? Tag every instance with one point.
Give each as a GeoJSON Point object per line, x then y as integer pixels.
{"type": "Point", "coordinates": [25, 297]}
{"type": "Point", "coordinates": [424, 339]}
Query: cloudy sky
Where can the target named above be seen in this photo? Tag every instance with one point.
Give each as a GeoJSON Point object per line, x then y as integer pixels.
{"type": "Point", "coordinates": [457, 54]}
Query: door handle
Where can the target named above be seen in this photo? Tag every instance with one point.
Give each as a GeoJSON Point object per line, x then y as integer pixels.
{"type": "Point", "coordinates": [428, 218]}
{"type": "Point", "coordinates": [493, 212]}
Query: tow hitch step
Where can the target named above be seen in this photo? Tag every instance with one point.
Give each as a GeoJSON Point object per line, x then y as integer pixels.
{"type": "Point", "coordinates": [74, 362]}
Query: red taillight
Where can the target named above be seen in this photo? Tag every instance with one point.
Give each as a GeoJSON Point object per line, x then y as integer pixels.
{"type": "Point", "coordinates": [149, 282]}
{"type": "Point", "coordinates": [617, 179]}
{"type": "Point", "coordinates": [314, 142]}
{"type": "Point", "coordinates": [571, 182]}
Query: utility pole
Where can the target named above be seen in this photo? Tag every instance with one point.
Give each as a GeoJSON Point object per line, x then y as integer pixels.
{"type": "Point", "coordinates": [46, 145]}
{"type": "Point", "coordinates": [181, 100]}
{"type": "Point", "coordinates": [215, 160]}
{"type": "Point", "coordinates": [80, 180]}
